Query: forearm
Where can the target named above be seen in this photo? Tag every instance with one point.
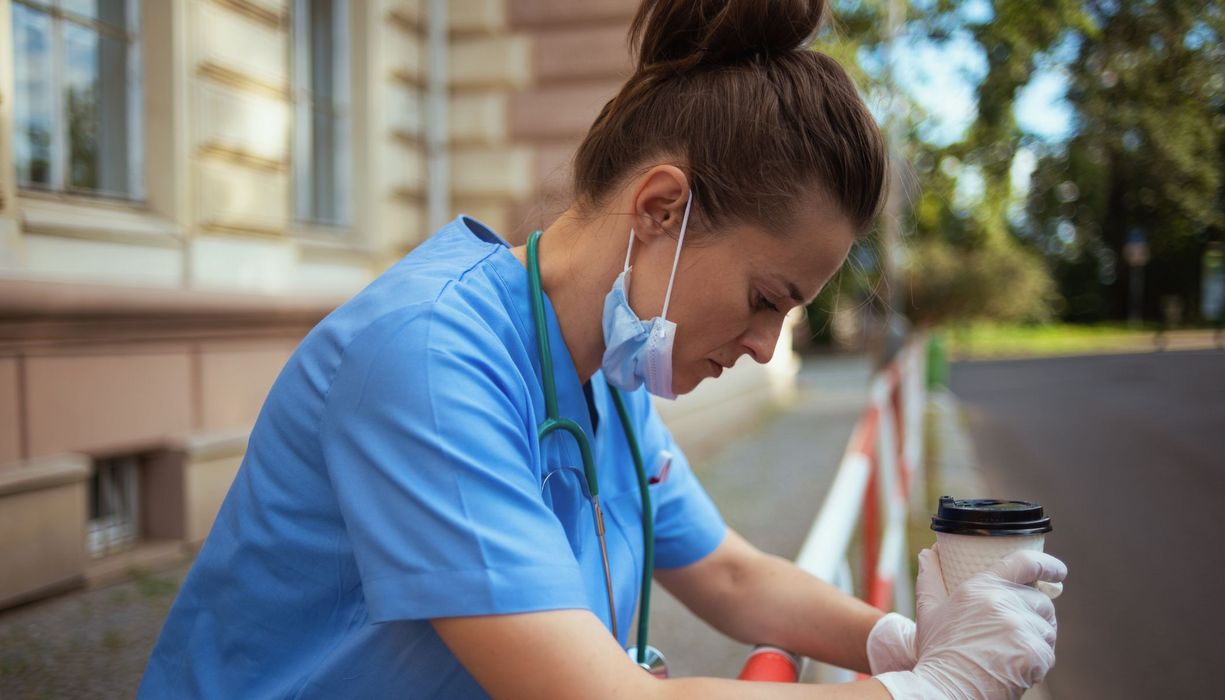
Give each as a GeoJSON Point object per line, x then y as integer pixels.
{"type": "Point", "coordinates": [779, 603]}
{"type": "Point", "coordinates": [759, 598]}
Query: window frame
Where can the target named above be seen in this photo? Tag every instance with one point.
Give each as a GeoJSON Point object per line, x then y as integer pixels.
{"type": "Point", "coordinates": [341, 108]}
{"type": "Point", "coordinates": [133, 85]}
{"type": "Point", "coordinates": [116, 484]}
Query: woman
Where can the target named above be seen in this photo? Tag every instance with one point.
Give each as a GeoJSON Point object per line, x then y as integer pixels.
{"type": "Point", "coordinates": [400, 526]}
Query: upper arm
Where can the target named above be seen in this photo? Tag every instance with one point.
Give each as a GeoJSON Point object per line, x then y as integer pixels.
{"type": "Point", "coordinates": [433, 470]}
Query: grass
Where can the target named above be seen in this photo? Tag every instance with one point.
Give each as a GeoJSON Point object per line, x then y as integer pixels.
{"type": "Point", "coordinates": [151, 586]}
{"type": "Point", "coordinates": [981, 341]}
{"type": "Point", "coordinates": [113, 641]}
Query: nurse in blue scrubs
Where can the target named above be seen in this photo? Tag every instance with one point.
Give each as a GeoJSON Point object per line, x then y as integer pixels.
{"type": "Point", "coordinates": [397, 527]}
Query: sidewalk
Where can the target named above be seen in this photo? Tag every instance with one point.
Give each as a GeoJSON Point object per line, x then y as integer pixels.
{"type": "Point", "coordinates": [88, 644]}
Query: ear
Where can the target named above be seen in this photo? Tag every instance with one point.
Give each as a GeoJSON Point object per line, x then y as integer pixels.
{"type": "Point", "coordinates": [659, 202]}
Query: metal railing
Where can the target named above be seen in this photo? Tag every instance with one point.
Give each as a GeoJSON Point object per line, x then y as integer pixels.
{"type": "Point", "coordinates": [871, 496]}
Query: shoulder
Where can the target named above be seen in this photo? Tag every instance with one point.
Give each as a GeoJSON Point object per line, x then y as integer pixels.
{"type": "Point", "coordinates": [426, 342]}
{"type": "Point", "coordinates": [445, 309]}
{"type": "Point", "coordinates": [446, 295]}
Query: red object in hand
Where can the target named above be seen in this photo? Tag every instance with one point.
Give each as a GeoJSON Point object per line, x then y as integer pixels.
{"type": "Point", "coordinates": [771, 664]}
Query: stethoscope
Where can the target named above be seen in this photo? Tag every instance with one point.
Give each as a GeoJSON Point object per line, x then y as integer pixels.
{"type": "Point", "coordinates": [645, 655]}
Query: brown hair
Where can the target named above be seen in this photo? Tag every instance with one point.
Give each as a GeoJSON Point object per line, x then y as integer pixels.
{"type": "Point", "coordinates": [729, 90]}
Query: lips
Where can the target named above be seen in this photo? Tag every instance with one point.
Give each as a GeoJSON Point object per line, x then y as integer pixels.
{"type": "Point", "coordinates": [716, 369]}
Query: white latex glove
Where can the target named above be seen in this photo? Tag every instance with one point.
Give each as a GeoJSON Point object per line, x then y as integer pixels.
{"type": "Point", "coordinates": [991, 639]}
{"type": "Point", "coordinates": [891, 644]}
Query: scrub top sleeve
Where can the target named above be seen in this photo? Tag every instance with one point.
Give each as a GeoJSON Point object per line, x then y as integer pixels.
{"type": "Point", "coordinates": [687, 524]}
{"type": "Point", "coordinates": [430, 456]}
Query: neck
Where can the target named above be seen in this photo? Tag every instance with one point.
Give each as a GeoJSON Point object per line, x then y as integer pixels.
{"type": "Point", "coordinates": [580, 257]}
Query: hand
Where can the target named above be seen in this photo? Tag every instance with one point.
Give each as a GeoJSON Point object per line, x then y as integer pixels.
{"type": "Point", "coordinates": [891, 644]}
{"type": "Point", "coordinates": [992, 638]}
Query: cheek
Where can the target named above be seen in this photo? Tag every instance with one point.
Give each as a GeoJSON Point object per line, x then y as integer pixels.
{"type": "Point", "coordinates": [715, 298]}
{"type": "Point", "coordinates": [713, 325]}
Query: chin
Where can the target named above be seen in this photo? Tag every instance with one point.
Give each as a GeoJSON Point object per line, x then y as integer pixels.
{"type": "Point", "coordinates": [682, 387]}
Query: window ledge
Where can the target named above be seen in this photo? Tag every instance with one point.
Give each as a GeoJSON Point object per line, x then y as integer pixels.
{"type": "Point", "coordinates": [31, 298]}
{"type": "Point", "coordinates": [44, 473]}
{"type": "Point", "coordinates": [331, 242]}
{"type": "Point", "coordinates": [79, 217]}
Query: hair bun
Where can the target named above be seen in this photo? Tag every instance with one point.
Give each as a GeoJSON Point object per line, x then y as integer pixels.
{"type": "Point", "coordinates": [688, 33]}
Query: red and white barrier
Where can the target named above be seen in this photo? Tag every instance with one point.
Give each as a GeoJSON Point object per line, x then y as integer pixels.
{"type": "Point", "coordinates": [871, 495]}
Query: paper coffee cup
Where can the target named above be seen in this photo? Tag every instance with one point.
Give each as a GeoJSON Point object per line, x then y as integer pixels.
{"type": "Point", "coordinates": [973, 534]}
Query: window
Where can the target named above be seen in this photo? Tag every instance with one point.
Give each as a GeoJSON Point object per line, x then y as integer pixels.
{"type": "Point", "coordinates": [114, 498]}
{"type": "Point", "coordinates": [76, 108]}
{"type": "Point", "coordinates": [321, 112]}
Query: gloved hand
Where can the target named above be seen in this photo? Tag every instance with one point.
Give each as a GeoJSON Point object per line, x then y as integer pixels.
{"type": "Point", "coordinates": [990, 639]}
{"type": "Point", "coordinates": [891, 644]}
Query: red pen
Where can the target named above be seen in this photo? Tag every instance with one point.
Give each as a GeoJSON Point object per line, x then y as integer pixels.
{"type": "Point", "coordinates": [663, 462]}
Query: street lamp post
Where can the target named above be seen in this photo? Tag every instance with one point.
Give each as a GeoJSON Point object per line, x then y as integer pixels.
{"type": "Point", "coordinates": [1136, 253]}
{"type": "Point", "coordinates": [1212, 289]}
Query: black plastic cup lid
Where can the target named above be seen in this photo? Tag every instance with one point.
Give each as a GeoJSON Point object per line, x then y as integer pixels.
{"type": "Point", "coordinates": [989, 516]}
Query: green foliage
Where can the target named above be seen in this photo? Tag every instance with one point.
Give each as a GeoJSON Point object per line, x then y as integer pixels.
{"type": "Point", "coordinates": [961, 262]}
{"type": "Point", "coordinates": [998, 282]}
{"type": "Point", "coordinates": [1147, 153]}
{"type": "Point", "coordinates": [957, 268]}
{"type": "Point", "coordinates": [1149, 94]}
{"type": "Point", "coordinates": [854, 286]}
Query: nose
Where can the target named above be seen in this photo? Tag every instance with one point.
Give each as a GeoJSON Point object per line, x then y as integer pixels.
{"type": "Point", "coordinates": [761, 339]}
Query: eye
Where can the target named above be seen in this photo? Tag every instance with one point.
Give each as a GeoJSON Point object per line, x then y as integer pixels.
{"type": "Point", "coordinates": [764, 304]}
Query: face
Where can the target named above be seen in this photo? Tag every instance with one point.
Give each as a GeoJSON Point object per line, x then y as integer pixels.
{"type": "Point", "coordinates": [734, 287]}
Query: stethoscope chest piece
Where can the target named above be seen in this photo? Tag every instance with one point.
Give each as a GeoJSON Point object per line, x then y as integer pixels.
{"type": "Point", "coordinates": [653, 661]}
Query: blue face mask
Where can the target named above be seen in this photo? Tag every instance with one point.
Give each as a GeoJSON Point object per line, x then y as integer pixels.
{"type": "Point", "coordinates": [638, 352]}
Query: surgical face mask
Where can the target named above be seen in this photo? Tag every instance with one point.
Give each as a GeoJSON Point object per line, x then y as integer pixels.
{"type": "Point", "coordinates": [638, 352]}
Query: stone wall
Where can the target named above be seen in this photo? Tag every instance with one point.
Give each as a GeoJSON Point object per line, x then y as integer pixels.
{"type": "Point", "coordinates": [528, 77]}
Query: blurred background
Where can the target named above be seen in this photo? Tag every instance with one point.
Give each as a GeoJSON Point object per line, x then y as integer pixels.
{"type": "Point", "coordinates": [188, 186]}
{"type": "Point", "coordinates": [1058, 162]}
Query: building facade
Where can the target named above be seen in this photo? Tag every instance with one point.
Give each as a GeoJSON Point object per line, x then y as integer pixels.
{"type": "Point", "coordinates": [187, 186]}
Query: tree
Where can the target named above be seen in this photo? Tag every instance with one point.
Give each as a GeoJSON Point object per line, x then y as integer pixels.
{"type": "Point", "coordinates": [1148, 154]}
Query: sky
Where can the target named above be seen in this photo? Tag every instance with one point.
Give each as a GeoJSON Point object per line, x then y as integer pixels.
{"type": "Point", "coordinates": [942, 77]}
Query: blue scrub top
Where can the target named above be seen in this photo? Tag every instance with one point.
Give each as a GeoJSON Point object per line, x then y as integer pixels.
{"type": "Point", "coordinates": [394, 476]}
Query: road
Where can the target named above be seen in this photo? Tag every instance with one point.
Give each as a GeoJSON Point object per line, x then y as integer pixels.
{"type": "Point", "coordinates": [1127, 452]}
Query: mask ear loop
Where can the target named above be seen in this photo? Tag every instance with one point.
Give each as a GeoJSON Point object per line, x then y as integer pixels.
{"type": "Point", "coordinates": [677, 258]}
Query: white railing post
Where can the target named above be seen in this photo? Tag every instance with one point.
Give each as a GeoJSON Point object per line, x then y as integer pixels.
{"type": "Point", "coordinates": [824, 548]}
{"type": "Point", "coordinates": [886, 431]}
{"type": "Point", "coordinates": [915, 401]}
{"type": "Point", "coordinates": [898, 463]}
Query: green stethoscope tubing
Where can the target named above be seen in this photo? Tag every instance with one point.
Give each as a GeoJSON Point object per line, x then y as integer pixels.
{"type": "Point", "coordinates": [553, 423]}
